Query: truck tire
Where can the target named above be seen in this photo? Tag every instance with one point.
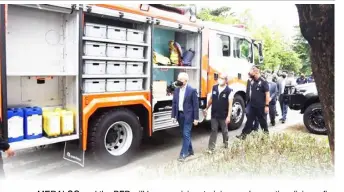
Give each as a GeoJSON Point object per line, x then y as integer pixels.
{"type": "Point", "coordinates": [114, 137]}
{"type": "Point", "coordinates": [314, 119]}
{"type": "Point", "coordinates": [239, 110]}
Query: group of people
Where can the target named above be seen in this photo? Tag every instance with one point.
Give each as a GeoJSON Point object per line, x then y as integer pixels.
{"type": "Point", "coordinates": [303, 80]}
{"type": "Point", "coordinates": [262, 95]}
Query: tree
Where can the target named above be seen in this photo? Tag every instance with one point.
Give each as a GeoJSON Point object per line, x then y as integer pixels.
{"type": "Point", "coordinates": [302, 48]}
{"type": "Point", "coordinates": [277, 54]}
{"type": "Point", "coordinates": [317, 26]}
{"type": "Point", "coordinates": [222, 15]}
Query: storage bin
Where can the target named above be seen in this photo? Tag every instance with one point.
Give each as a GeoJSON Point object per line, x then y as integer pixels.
{"type": "Point", "coordinates": [115, 85]}
{"type": "Point", "coordinates": [115, 50]}
{"type": "Point", "coordinates": [135, 52]}
{"type": "Point", "coordinates": [33, 122]}
{"type": "Point", "coordinates": [117, 33]}
{"type": "Point", "coordinates": [94, 67]}
{"type": "Point", "coordinates": [115, 68]}
{"type": "Point", "coordinates": [134, 84]}
{"type": "Point", "coordinates": [134, 68]}
{"type": "Point", "coordinates": [135, 35]}
{"type": "Point", "coordinates": [94, 86]}
{"type": "Point", "coordinates": [95, 49]}
{"type": "Point", "coordinates": [95, 30]}
{"type": "Point", "coordinates": [51, 123]}
{"type": "Point", "coordinates": [66, 121]}
{"type": "Point", "coordinates": [15, 124]}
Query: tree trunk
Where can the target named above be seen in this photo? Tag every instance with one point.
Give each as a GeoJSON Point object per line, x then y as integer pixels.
{"type": "Point", "coordinates": [317, 26]}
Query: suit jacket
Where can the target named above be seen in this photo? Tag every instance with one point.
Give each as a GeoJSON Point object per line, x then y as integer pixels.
{"type": "Point", "coordinates": [273, 91]}
{"type": "Point", "coordinates": [190, 105]}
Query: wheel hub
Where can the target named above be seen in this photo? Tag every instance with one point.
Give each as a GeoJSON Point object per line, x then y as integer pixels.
{"type": "Point", "coordinates": [317, 120]}
{"type": "Point", "coordinates": [118, 138]}
{"type": "Point", "coordinates": [237, 112]}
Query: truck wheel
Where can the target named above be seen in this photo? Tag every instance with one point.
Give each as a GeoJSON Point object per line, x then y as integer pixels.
{"type": "Point", "coordinates": [314, 119]}
{"type": "Point", "coordinates": [114, 137]}
{"type": "Point", "coordinates": [237, 113]}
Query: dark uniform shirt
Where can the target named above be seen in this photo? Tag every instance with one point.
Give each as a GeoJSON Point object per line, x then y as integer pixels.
{"type": "Point", "coordinates": [258, 89]}
{"type": "Point", "coordinates": [301, 81]}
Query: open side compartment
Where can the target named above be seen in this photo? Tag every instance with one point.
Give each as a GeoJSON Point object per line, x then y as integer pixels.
{"type": "Point", "coordinates": [42, 76]}
{"type": "Point", "coordinates": [117, 55]}
{"type": "Point", "coordinates": [165, 73]}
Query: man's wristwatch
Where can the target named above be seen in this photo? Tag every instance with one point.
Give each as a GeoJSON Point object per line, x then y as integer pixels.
{"type": "Point", "coordinates": [266, 105]}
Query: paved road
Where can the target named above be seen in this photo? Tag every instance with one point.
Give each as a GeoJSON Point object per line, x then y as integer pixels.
{"type": "Point", "coordinates": [163, 147]}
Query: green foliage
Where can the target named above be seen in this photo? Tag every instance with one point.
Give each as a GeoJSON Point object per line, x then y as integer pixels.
{"type": "Point", "coordinates": [277, 53]}
{"type": "Point", "coordinates": [302, 48]}
{"type": "Point", "coordinates": [221, 15]}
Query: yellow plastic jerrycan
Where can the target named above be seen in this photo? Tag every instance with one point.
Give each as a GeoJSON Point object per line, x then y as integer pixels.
{"type": "Point", "coordinates": [51, 123]}
{"type": "Point", "coordinates": [67, 122]}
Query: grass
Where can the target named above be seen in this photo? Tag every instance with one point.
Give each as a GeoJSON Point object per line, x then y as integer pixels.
{"type": "Point", "coordinates": [294, 154]}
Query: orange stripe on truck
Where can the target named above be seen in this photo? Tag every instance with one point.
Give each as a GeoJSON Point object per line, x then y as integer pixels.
{"type": "Point", "coordinates": [96, 101]}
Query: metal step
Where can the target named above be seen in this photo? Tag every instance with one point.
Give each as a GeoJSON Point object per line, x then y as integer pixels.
{"type": "Point", "coordinates": [163, 120]}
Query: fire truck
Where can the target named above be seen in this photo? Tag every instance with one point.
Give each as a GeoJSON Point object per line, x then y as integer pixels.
{"type": "Point", "coordinates": [85, 75]}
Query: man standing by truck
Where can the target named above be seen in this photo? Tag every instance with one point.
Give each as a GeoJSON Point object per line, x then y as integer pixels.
{"type": "Point", "coordinates": [185, 109]}
{"type": "Point", "coordinates": [248, 106]}
{"type": "Point", "coordinates": [221, 102]}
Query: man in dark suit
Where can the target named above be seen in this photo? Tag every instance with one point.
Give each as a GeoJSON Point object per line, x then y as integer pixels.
{"type": "Point", "coordinates": [272, 105]}
{"type": "Point", "coordinates": [185, 109]}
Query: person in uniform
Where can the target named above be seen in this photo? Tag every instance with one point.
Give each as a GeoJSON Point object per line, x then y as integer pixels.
{"type": "Point", "coordinates": [248, 106]}
{"type": "Point", "coordinates": [259, 103]}
{"type": "Point", "coordinates": [301, 80]}
{"type": "Point", "coordinates": [185, 109]}
{"type": "Point", "coordinates": [221, 102]}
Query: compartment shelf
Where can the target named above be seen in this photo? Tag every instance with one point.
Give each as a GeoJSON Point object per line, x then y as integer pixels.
{"type": "Point", "coordinates": [114, 41]}
{"type": "Point", "coordinates": [113, 59]}
{"type": "Point", "coordinates": [173, 67]}
{"type": "Point", "coordinates": [41, 141]}
{"type": "Point", "coordinates": [114, 76]}
{"type": "Point", "coordinates": [109, 93]}
{"type": "Point", "coordinates": [15, 74]}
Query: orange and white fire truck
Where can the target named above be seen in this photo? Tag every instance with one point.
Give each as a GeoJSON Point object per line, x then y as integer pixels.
{"type": "Point", "coordinates": [101, 74]}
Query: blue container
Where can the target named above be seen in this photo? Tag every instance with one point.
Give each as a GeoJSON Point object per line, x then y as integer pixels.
{"type": "Point", "coordinates": [15, 124]}
{"type": "Point", "coordinates": [33, 123]}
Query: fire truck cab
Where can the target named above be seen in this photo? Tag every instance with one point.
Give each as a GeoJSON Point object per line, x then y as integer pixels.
{"type": "Point", "coordinates": [95, 74]}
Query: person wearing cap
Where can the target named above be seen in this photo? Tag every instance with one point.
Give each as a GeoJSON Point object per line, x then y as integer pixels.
{"type": "Point", "coordinates": [301, 79]}
{"type": "Point", "coordinates": [221, 102]}
{"type": "Point", "coordinates": [259, 103]}
{"type": "Point", "coordinates": [4, 147]}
